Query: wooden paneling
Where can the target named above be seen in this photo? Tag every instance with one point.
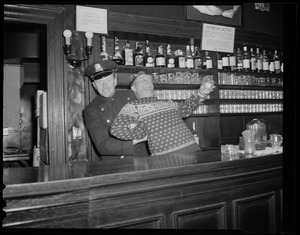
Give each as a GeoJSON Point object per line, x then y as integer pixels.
{"type": "Point", "coordinates": [255, 214]}
{"type": "Point", "coordinates": [207, 217]}
{"type": "Point", "coordinates": [216, 195]}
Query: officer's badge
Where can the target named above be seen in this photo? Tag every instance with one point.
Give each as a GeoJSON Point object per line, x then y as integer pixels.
{"type": "Point", "coordinates": [98, 68]}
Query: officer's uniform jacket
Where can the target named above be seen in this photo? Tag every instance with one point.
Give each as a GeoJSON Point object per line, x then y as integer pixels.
{"type": "Point", "coordinates": [99, 115]}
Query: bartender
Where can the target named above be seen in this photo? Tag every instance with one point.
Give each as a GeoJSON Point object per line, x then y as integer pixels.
{"type": "Point", "coordinates": [102, 110]}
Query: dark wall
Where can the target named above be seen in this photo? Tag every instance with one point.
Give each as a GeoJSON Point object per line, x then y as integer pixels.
{"type": "Point", "coordinates": [252, 20]}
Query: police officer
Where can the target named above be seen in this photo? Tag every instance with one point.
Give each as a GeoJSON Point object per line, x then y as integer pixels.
{"type": "Point", "coordinates": [100, 113]}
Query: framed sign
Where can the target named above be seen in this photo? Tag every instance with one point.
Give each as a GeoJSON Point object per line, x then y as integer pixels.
{"type": "Point", "coordinates": [91, 19]}
{"type": "Point", "coordinates": [217, 38]}
{"type": "Point", "coordinates": [219, 14]}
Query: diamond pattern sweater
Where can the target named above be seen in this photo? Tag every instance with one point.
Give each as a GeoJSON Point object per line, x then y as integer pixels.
{"type": "Point", "coordinates": [161, 121]}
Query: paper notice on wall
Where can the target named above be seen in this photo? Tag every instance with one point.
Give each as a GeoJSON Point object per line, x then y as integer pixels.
{"type": "Point", "coordinates": [91, 19]}
{"type": "Point", "coordinates": [217, 38]}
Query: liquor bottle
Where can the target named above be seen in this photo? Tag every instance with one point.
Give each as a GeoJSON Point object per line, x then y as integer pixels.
{"type": "Point", "coordinates": [281, 66]}
{"type": "Point", "coordinates": [225, 62]}
{"type": "Point", "coordinates": [170, 62]}
{"type": "Point", "coordinates": [103, 55]}
{"type": "Point", "coordinates": [232, 61]}
{"type": "Point", "coordinates": [265, 61]}
{"type": "Point", "coordinates": [219, 61]}
{"type": "Point", "coordinates": [189, 60]}
{"type": "Point", "coordinates": [239, 59]}
{"type": "Point", "coordinates": [127, 54]}
{"type": "Point", "coordinates": [246, 60]}
{"type": "Point", "coordinates": [271, 63]}
{"type": "Point", "coordinates": [207, 61]}
{"type": "Point", "coordinates": [277, 62]}
{"type": "Point", "coordinates": [117, 57]}
{"type": "Point", "coordinates": [179, 59]}
{"type": "Point", "coordinates": [252, 60]}
{"type": "Point", "coordinates": [197, 59]}
{"type": "Point", "coordinates": [138, 55]}
{"type": "Point", "coordinates": [259, 65]}
{"type": "Point", "coordinates": [148, 58]}
{"type": "Point", "coordinates": [195, 133]}
{"type": "Point", "coordinates": [160, 60]}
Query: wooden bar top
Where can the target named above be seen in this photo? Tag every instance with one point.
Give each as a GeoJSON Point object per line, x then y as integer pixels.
{"type": "Point", "coordinates": [75, 170]}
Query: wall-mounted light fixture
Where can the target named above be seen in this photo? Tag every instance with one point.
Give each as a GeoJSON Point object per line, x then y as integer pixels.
{"type": "Point", "coordinates": [73, 60]}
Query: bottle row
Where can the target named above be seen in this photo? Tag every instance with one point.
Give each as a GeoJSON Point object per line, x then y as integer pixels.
{"type": "Point", "coordinates": [175, 94]}
{"type": "Point", "coordinates": [250, 94]}
{"type": "Point", "coordinates": [250, 108]}
{"type": "Point", "coordinates": [193, 58]}
{"type": "Point", "coordinates": [269, 62]}
{"type": "Point", "coordinates": [248, 80]}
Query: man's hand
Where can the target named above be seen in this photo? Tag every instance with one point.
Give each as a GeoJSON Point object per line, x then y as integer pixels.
{"type": "Point", "coordinates": [136, 141]}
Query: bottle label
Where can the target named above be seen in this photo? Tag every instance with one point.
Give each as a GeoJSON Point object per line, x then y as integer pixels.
{"type": "Point", "coordinates": [272, 66]}
{"type": "Point", "coordinates": [232, 61]}
{"type": "Point", "coordinates": [198, 64]}
{"type": "Point", "coordinates": [225, 61]}
{"type": "Point", "coordinates": [277, 65]}
{"type": "Point", "coordinates": [190, 63]}
{"type": "Point", "coordinates": [181, 62]}
{"type": "Point", "coordinates": [209, 64]}
{"type": "Point", "coordinates": [160, 61]}
{"type": "Point", "coordinates": [253, 64]}
{"type": "Point", "coordinates": [128, 57]}
{"type": "Point", "coordinates": [281, 68]}
{"type": "Point", "coordinates": [259, 65]}
{"type": "Point", "coordinates": [139, 60]}
{"type": "Point", "coordinates": [265, 65]}
{"type": "Point", "coordinates": [246, 64]}
{"type": "Point", "coordinates": [171, 63]}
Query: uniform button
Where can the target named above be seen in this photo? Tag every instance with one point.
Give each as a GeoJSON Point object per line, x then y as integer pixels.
{"type": "Point", "coordinates": [128, 98]}
{"type": "Point", "coordinates": [121, 157]}
{"type": "Point", "coordinates": [102, 109]}
{"type": "Point", "coordinates": [108, 121]}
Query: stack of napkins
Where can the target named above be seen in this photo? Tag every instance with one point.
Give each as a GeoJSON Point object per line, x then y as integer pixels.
{"type": "Point", "coordinates": [267, 151]}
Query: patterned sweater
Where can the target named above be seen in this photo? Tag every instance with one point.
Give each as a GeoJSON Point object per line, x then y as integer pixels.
{"type": "Point", "coordinates": [161, 121]}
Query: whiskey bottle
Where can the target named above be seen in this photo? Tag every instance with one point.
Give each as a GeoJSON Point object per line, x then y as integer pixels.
{"type": "Point", "coordinates": [207, 62]}
{"type": "Point", "coordinates": [160, 60]}
{"type": "Point", "coordinates": [271, 63]}
{"type": "Point", "coordinates": [189, 60]}
{"type": "Point", "coordinates": [265, 62]}
{"type": "Point", "coordinates": [170, 62]}
{"type": "Point", "coordinates": [127, 54]}
{"type": "Point", "coordinates": [276, 62]}
{"type": "Point", "coordinates": [103, 55]}
{"type": "Point", "coordinates": [138, 55]}
{"type": "Point", "coordinates": [281, 66]}
{"type": "Point", "coordinates": [259, 65]}
{"type": "Point", "coordinates": [232, 62]}
{"type": "Point", "coordinates": [252, 60]}
{"type": "Point", "coordinates": [225, 62]}
{"type": "Point", "coordinates": [179, 59]}
{"type": "Point", "coordinates": [197, 59]}
{"type": "Point", "coordinates": [219, 61]}
{"type": "Point", "coordinates": [239, 60]}
{"type": "Point", "coordinates": [246, 60]}
{"type": "Point", "coordinates": [195, 133]}
{"type": "Point", "coordinates": [117, 57]}
{"type": "Point", "coordinates": [148, 58]}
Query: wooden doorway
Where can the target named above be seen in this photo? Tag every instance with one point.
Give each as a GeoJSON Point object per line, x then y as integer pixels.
{"type": "Point", "coordinates": [51, 16]}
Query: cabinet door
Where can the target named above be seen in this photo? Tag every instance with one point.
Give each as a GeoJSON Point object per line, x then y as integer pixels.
{"type": "Point", "coordinates": [255, 214]}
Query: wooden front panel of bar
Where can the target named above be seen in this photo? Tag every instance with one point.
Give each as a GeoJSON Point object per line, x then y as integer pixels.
{"type": "Point", "coordinates": [242, 194]}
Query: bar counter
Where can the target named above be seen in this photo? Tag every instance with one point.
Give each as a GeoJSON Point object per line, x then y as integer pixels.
{"type": "Point", "coordinates": [194, 191]}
